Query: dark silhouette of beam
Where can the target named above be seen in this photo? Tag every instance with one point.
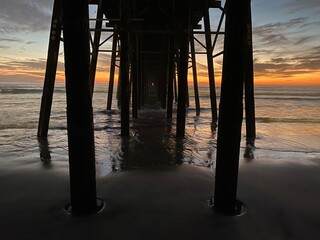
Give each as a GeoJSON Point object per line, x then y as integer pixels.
{"type": "Point", "coordinates": [79, 108]}
{"type": "Point", "coordinates": [124, 67]}
{"type": "Point", "coordinates": [195, 76]}
{"type": "Point", "coordinates": [249, 91]}
{"type": "Point", "coordinates": [231, 108]}
{"type": "Point", "coordinates": [210, 65]}
{"type": "Point", "coordinates": [96, 44]}
{"type": "Point", "coordinates": [183, 70]}
{"type": "Point", "coordinates": [134, 77]}
{"type": "Point", "coordinates": [171, 72]}
{"type": "Point", "coordinates": [51, 68]}
{"type": "Point", "coordinates": [112, 70]}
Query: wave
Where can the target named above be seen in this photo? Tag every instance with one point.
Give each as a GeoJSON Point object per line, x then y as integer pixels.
{"type": "Point", "coordinates": [289, 93]}
{"type": "Point", "coordinates": [275, 97]}
{"type": "Point", "coordinates": [289, 98]}
{"type": "Point", "coordinates": [17, 126]}
{"type": "Point", "coordinates": [25, 91]}
{"type": "Point", "coordinates": [287, 120]}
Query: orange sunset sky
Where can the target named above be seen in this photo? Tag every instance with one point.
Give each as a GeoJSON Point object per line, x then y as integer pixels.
{"type": "Point", "coordinates": [286, 40]}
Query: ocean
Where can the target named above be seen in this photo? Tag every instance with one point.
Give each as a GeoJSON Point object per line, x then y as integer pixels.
{"type": "Point", "coordinates": [287, 125]}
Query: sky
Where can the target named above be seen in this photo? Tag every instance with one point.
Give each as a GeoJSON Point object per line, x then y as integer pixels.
{"type": "Point", "coordinates": [286, 41]}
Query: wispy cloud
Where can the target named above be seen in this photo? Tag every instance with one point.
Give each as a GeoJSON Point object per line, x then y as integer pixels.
{"type": "Point", "coordinates": [287, 48]}
{"type": "Point", "coordinates": [25, 15]}
{"type": "Point", "coordinates": [311, 60]}
{"type": "Point", "coordinates": [29, 67]}
{"type": "Point", "coordinates": [306, 62]}
{"type": "Point", "coordinates": [279, 32]}
{"type": "Point", "coordinates": [4, 47]}
{"type": "Point", "coordinates": [10, 39]}
{"type": "Point", "coordinates": [30, 42]}
{"type": "Point", "coordinates": [29, 64]}
{"type": "Point", "coordinates": [298, 5]}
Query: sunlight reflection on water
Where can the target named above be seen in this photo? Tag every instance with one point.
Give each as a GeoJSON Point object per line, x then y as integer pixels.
{"type": "Point", "coordinates": [152, 142]}
{"type": "Point", "coordinates": [288, 125]}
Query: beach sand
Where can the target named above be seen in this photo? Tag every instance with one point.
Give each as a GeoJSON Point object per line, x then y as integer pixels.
{"type": "Point", "coordinates": [281, 196]}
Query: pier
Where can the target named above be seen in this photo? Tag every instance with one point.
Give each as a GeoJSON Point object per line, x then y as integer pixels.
{"type": "Point", "coordinates": [153, 47]}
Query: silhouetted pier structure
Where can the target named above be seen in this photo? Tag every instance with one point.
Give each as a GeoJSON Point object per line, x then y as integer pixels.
{"type": "Point", "coordinates": [153, 42]}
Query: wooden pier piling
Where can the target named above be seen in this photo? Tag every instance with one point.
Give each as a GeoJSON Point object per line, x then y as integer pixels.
{"type": "Point", "coordinates": [124, 67]}
{"type": "Point", "coordinates": [249, 86]}
{"type": "Point", "coordinates": [175, 84]}
{"type": "Point", "coordinates": [134, 77]}
{"type": "Point", "coordinates": [96, 44]}
{"type": "Point", "coordinates": [213, 100]}
{"type": "Point", "coordinates": [183, 70]}
{"type": "Point", "coordinates": [51, 68]}
{"type": "Point", "coordinates": [112, 69]}
{"type": "Point", "coordinates": [231, 108]}
{"type": "Point", "coordinates": [195, 76]}
{"type": "Point", "coordinates": [171, 73]}
{"type": "Point", "coordinates": [79, 108]}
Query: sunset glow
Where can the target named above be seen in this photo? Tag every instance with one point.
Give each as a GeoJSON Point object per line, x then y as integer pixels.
{"type": "Point", "coordinates": [285, 37]}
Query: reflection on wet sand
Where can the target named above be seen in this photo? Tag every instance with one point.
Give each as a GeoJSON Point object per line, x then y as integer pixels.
{"type": "Point", "coordinates": [45, 152]}
{"type": "Point", "coordinates": [153, 142]}
{"type": "Point", "coordinates": [249, 151]}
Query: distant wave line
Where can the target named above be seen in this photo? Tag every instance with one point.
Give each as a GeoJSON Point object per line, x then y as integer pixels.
{"type": "Point", "coordinates": [286, 120]}
{"type": "Point", "coordinates": [24, 91]}
{"type": "Point", "coordinates": [17, 126]}
{"type": "Point", "coordinates": [306, 98]}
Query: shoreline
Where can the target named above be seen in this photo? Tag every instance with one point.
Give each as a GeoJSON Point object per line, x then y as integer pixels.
{"type": "Point", "coordinates": [280, 186]}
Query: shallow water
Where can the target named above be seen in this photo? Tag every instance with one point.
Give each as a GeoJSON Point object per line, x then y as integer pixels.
{"type": "Point", "coordinates": [288, 125]}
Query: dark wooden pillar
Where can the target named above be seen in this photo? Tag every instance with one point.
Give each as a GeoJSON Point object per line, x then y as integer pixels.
{"type": "Point", "coordinates": [249, 86]}
{"type": "Point", "coordinates": [175, 83]}
{"type": "Point", "coordinates": [171, 72]}
{"type": "Point", "coordinates": [183, 70]}
{"type": "Point", "coordinates": [142, 81]}
{"type": "Point", "coordinates": [96, 44]}
{"type": "Point", "coordinates": [139, 76]}
{"type": "Point", "coordinates": [163, 84]}
{"type": "Point", "coordinates": [195, 76]}
{"type": "Point", "coordinates": [134, 77]}
{"type": "Point", "coordinates": [231, 109]}
{"type": "Point", "coordinates": [79, 108]}
{"type": "Point", "coordinates": [213, 97]}
{"type": "Point", "coordinates": [119, 82]}
{"type": "Point", "coordinates": [187, 94]}
{"type": "Point", "coordinates": [112, 69]}
{"type": "Point", "coordinates": [124, 67]}
{"type": "Point", "coordinates": [51, 68]}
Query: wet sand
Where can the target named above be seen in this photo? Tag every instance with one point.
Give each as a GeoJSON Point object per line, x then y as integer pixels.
{"type": "Point", "coordinates": [282, 199]}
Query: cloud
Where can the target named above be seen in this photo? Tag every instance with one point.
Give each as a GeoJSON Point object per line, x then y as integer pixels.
{"type": "Point", "coordinates": [277, 33]}
{"type": "Point", "coordinates": [291, 34]}
{"type": "Point", "coordinates": [4, 47]}
{"type": "Point", "coordinates": [306, 62]}
{"type": "Point", "coordinates": [25, 15]}
{"type": "Point", "coordinates": [30, 42]}
{"type": "Point", "coordinates": [26, 64]}
{"type": "Point", "coordinates": [299, 5]}
{"type": "Point", "coordinates": [28, 69]}
{"type": "Point", "coordinates": [10, 39]}
{"type": "Point", "coordinates": [287, 48]}
{"type": "Point", "coordinates": [304, 39]}
{"type": "Point", "coordinates": [311, 60]}
{"type": "Point", "coordinates": [279, 60]}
